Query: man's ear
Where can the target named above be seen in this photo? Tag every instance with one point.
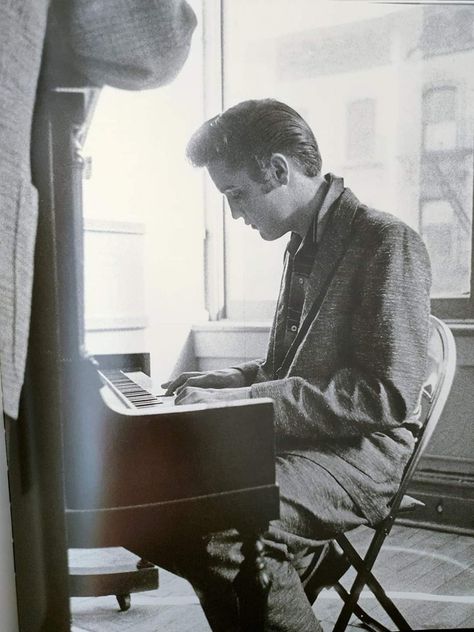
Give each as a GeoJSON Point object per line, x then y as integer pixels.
{"type": "Point", "coordinates": [280, 169]}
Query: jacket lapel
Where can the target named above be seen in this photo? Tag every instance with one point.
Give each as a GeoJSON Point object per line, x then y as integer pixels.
{"type": "Point", "coordinates": [331, 249]}
{"type": "Point", "coordinates": [280, 321]}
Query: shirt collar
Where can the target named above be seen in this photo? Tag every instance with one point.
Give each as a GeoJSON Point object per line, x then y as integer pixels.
{"type": "Point", "coordinates": [335, 186]}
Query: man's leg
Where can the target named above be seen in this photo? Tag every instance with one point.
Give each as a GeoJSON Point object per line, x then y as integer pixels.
{"type": "Point", "coordinates": [314, 508]}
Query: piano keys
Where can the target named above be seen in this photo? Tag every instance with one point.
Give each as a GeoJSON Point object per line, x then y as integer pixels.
{"type": "Point", "coordinates": [128, 388]}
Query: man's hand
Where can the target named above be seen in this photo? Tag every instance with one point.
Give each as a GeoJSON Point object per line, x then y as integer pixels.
{"type": "Point", "coordinates": [224, 378]}
{"type": "Point", "coordinates": [193, 395]}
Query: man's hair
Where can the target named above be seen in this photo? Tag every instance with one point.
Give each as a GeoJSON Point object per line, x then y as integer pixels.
{"type": "Point", "coordinates": [247, 134]}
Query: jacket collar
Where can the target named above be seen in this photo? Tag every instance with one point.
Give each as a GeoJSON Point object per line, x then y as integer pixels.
{"type": "Point", "coordinates": [332, 245]}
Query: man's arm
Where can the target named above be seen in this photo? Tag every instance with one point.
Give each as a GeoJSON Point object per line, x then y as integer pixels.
{"type": "Point", "coordinates": [218, 379]}
{"type": "Point", "coordinates": [253, 371]}
{"type": "Point", "coordinates": [381, 382]}
{"type": "Point", "coordinates": [221, 384]}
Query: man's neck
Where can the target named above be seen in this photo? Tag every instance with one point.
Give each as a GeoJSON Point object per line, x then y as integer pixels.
{"type": "Point", "coordinates": [315, 194]}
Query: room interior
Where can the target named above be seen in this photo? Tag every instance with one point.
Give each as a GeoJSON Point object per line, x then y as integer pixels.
{"type": "Point", "coordinates": [396, 118]}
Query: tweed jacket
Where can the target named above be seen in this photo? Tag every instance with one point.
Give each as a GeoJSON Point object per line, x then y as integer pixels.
{"type": "Point", "coordinates": [130, 44]}
{"type": "Point", "coordinates": [351, 379]}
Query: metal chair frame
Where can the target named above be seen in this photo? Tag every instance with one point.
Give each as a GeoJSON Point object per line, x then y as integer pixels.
{"type": "Point", "coordinates": [435, 391]}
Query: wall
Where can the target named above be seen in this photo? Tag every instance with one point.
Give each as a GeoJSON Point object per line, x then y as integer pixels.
{"type": "Point", "coordinates": [144, 220]}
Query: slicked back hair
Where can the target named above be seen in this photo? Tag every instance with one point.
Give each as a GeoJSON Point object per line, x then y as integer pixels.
{"type": "Point", "coordinates": [247, 134]}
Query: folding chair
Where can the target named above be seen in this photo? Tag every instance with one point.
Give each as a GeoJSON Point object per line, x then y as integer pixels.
{"type": "Point", "coordinates": [435, 391]}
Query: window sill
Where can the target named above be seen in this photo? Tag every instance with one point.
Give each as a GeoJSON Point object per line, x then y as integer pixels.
{"type": "Point", "coordinates": [460, 327]}
{"type": "Point", "coordinates": [232, 326]}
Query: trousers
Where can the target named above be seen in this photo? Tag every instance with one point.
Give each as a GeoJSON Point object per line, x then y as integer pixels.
{"type": "Point", "coordinates": [310, 515]}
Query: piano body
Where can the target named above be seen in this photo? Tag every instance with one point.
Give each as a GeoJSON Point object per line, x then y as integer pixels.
{"type": "Point", "coordinates": [146, 477]}
{"type": "Point", "coordinates": [101, 474]}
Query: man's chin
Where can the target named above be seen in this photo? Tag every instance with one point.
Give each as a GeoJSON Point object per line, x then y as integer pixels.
{"type": "Point", "coordinates": [264, 235]}
{"type": "Point", "coordinates": [267, 237]}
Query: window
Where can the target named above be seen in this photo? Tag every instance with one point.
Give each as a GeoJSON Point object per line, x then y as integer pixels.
{"type": "Point", "coordinates": [446, 198]}
{"type": "Point", "coordinates": [439, 119]}
{"type": "Point", "coordinates": [361, 130]}
{"type": "Point", "coordinates": [391, 101]}
{"type": "Point", "coordinates": [449, 248]}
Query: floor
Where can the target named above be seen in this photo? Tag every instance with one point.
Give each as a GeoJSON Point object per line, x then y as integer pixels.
{"type": "Point", "coordinates": [429, 574]}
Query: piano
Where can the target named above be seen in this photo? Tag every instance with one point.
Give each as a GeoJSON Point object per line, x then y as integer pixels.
{"type": "Point", "coordinates": [141, 470]}
{"type": "Point", "coordinates": [112, 472]}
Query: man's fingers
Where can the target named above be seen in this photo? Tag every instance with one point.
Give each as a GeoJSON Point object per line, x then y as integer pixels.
{"type": "Point", "coordinates": [212, 379]}
{"type": "Point", "coordinates": [172, 385]}
{"type": "Point", "coordinates": [184, 395]}
{"type": "Point", "coordinates": [200, 381]}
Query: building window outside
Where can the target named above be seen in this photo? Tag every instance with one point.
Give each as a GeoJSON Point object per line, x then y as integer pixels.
{"type": "Point", "coordinates": [449, 248]}
{"type": "Point", "coordinates": [446, 193]}
{"type": "Point", "coordinates": [439, 119]}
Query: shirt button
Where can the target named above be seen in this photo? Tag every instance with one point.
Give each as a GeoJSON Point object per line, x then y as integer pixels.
{"type": "Point", "coordinates": [293, 327]}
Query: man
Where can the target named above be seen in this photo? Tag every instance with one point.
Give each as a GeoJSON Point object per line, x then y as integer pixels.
{"type": "Point", "coordinates": [345, 360]}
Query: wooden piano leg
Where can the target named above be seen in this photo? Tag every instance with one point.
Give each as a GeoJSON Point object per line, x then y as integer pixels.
{"type": "Point", "coordinates": [252, 583]}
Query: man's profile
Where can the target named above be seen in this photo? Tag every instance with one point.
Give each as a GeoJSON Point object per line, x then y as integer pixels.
{"type": "Point", "coordinates": [345, 361]}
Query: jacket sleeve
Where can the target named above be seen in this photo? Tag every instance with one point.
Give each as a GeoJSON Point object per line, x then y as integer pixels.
{"type": "Point", "coordinates": [253, 371]}
{"type": "Point", "coordinates": [129, 44]}
{"type": "Point", "coordinates": [379, 384]}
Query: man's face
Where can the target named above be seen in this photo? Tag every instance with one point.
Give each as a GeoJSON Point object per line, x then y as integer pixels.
{"type": "Point", "coordinates": [264, 210]}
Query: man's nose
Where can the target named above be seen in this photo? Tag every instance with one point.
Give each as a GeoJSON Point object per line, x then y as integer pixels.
{"type": "Point", "coordinates": [236, 213]}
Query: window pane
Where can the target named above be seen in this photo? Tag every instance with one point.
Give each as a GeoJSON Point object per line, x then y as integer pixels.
{"type": "Point", "coordinates": [389, 92]}
{"type": "Point", "coordinates": [439, 105]}
{"type": "Point", "coordinates": [449, 247]}
{"type": "Point", "coordinates": [439, 117]}
{"type": "Point", "coordinates": [361, 130]}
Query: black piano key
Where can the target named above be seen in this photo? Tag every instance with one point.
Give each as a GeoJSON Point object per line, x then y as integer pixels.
{"type": "Point", "coordinates": [148, 405]}
{"type": "Point", "coordinates": [130, 390]}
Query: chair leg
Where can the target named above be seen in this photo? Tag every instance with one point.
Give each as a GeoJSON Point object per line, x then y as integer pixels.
{"type": "Point", "coordinates": [365, 577]}
{"type": "Point", "coordinates": [350, 604]}
{"type": "Point", "coordinates": [369, 622]}
{"type": "Point", "coordinates": [392, 610]}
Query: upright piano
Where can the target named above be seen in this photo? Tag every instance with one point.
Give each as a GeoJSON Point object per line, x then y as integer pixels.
{"type": "Point", "coordinates": [110, 474]}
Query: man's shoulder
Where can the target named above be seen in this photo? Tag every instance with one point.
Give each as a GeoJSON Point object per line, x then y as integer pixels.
{"type": "Point", "coordinates": [374, 225]}
{"type": "Point", "coordinates": [366, 218]}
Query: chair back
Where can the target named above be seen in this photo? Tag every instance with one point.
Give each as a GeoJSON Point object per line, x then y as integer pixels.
{"type": "Point", "coordinates": [439, 377]}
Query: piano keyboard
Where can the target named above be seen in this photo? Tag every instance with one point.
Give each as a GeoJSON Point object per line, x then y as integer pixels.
{"type": "Point", "coordinates": [130, 393]}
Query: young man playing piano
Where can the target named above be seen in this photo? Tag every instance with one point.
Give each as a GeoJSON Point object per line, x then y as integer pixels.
{"type": "Point", "coordinates": [345, 360]}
